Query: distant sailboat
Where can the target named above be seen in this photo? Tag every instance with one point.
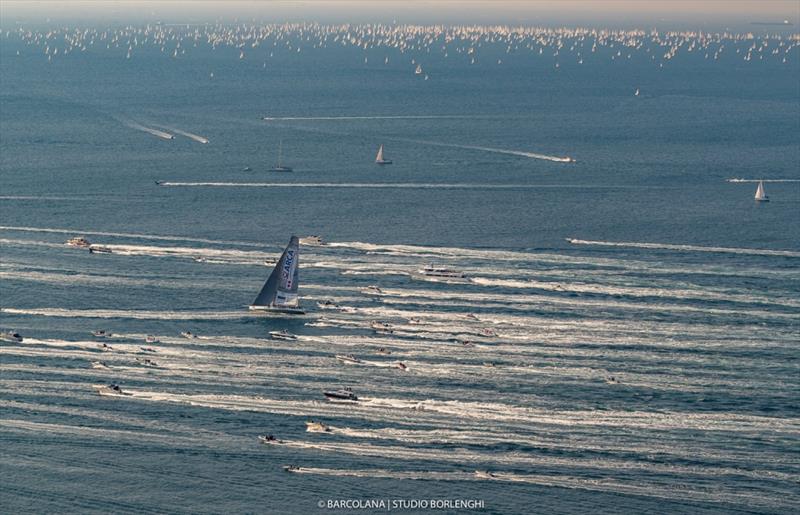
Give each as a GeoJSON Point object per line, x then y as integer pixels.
{"type": "Point", "coordinates": [636, 93]}
{"type": "Point", "coordinates": [279, 294]}
{"type": "Point", "coordinates": [418, 70]}
{"type": "Point", "coordinates": [379, 159]}
{"type": "Point", "coordinates": [760, 195]}
{"type": "Point", "coordinates": [279, 167]}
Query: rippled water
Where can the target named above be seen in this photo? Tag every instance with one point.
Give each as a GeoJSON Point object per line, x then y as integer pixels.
{"type": "Point", "coordinates": [649, 364]}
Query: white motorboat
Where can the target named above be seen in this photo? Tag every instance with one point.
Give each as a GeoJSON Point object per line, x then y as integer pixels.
{"type": "Point", "coordinates": [282, 335]}
{"type": "Point", "coordinates": [327, 304]}
{"type": "Point", "coordinates": [147, 349]}
{"type": "Point", "coordinates": [100, 365]}
{"type": "Point", "coordinates": [78, 242]}
{"type": "Point", "coordinates": [401, 365]}
{"type": "Point", "coordinates": [269, 440]}
{"type": "Point", "coordinates": [345, 394]}
{"type": "Point", "coordinates": [439, 272]}
{"type": "Point", "coordinates": [348, 358]}
{"type": "Point", "coordinates": [312, 240]}
{"type": "Point", "coordinates": [151, 339]}
{"type": "Point", "coordinates": [10, 336]}
{"type": "Point", "coordinates": [99, 249]}
{"type": "Point", "coordinates": [110, 390]}
{"type": "Point", "coordinates": [484, 474]}
{"type": "Point", "coordinates": [188, 334]}
{"type": "Point", "coordinates": [101, 333]}
{"type": "Point", "coordinates": [317, 427]}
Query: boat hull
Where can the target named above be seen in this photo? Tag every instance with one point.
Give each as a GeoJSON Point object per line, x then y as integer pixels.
{"type": "Point", "coordinates": [266, 310]}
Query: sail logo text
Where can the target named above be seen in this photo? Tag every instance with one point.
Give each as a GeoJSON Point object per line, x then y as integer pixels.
{"type": "Point", "coordinates": [288, 265]}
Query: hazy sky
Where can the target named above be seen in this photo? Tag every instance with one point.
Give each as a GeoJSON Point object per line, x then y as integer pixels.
{"type": "Point", "coordinates": [569, 12]}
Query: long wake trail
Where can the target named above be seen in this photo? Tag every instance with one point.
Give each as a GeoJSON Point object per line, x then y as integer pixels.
{"type": "Point", "coordinates": [687, 248]}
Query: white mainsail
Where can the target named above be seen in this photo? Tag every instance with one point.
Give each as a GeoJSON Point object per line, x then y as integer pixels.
{"type": "Point", "coordinates": [760, 195]}
{"type": "Point", "coordinates": [379, 157]}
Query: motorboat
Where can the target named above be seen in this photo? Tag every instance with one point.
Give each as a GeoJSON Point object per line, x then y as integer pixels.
{"type": "Point", "coordinates": [10, 336]}
{"type": "Point", "coordinates": [279, 295]}
{"type": "Point", "coordinates": [381, 327]}
{"type": "Point", "coordinates": [188, 334]}
{"type": "Point", "coordinates": [247, 169]}
{"type": "Point", "coordinates": [147, 362]}
{"type": "Point", "coordinates": [371, 290]}
{"type": "Point", "coordinates": [485, 474]}
{"type": "Point", "coordinates": [147, 349]}
{"type": "Point", "coordinates": [384, 350]}
{"type": "Point", "coordinates": [101, 333]}
{"type": "Point", "coordinates": [99, 364]}
{"type": "Point", "coordinates": [317, 427]}
{"type": "Point", "coordinates": [348, 358]}
{"type": "Point", "coordinates": [312, 240]}
{"type": "Point", "coordinates": [291, 468]}
{"type": "Point", "coordinates": [110, 390]}
{"type": "Point", "coordinates": [488, 364]}
{"type": "Point", "coordinates": [151, 339]}
{"type": "Point", "coordinates": [441, 272]}
{"type": "Point", "coordinates": [106, 347]}
{"type": "Point", "coordinates": [78, 242]}
{"type": "Point", "coordinates": [344, 394]}
{"type": "Point", "coordinates": [401, 365]}
{"type": "Point", "coordinates": [98, 249]}
{"type": "Point", "coordinates": [414, 321]}
{"type": "Point", "coordinates": [327, 304]}
{"type": "Point", "coordinates": [282, 335]}
{"type": "Point", "coordinates": [269, 440]}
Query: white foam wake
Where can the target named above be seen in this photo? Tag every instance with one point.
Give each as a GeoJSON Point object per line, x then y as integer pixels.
{"type": "Point", "coordinates": [125, 235]}
{"type": "Point", "coordinates": [373, 185]}
{"type": "Point", "coordinates": [154, 132]}
{"type": "Point", "coordinates": [686, 248]}
{"type": "Point", "coordinates": [762, 180]}
{"type": "Point", "coordinates": [521, 153]}
{"type": "Point", "coordinates": [195, 137]}
{"type": "Point", "coordinates": [132, 314]}
{"type": "Point", "coordinates": [375, 117]}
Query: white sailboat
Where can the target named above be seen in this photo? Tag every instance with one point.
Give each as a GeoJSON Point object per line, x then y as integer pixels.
{"type": "Point", "coordinates": [418, 70]}
{"type": "Point", "coordinates": [760, 195]}
{"type": "Point", "coordinates": [280, 167]}
{"type": "Point", "coordinates": [379, 159]}
{"type": "Point", "coordinates": [279, 294]}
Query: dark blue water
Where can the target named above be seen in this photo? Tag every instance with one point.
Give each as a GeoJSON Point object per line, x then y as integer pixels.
{"type": "Point", "coordinates": [679, 285]}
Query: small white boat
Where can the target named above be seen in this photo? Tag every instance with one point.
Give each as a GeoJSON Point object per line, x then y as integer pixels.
{"type": "Point", "coordinates": [439, 272]}
{"type": "Point", "coordinates": [146, 362]}
{"type": "Point", "coordinates": [151, 339]}
{"type": "Point", "coordinates": [636, 93]}
{"type": "Point", "coordinates": [418, 70]}
{"type": "Point", "coordinates": [106, 347]}
{"type": "Point", "coordinates": [269, 440]}
{"type": "Point", "coordinates": [384, 350]}
{"type": "Point", "coordinates": [10, 336]}
{"type": "Point", "coordinates": [312, 240]}
{"type": "Point", "coordinates": [291, 468]}
{"type": "Point", "coordinates": [327, 304]}
{"type": "Point", "coordinates": [78, 242]}
{"type": "Point", "coordinates": [345, 394]}
{"type": "Point", "coordinates": [348, 358]}
{"type": "Point", "coordinates": [760, 195]}
{"type": "Point", "coordinates": [401, 365]}
{"type": "Point", "coordinates": [380, 159]}
{"type": "Point", "coordinates": [100, 365]}
{"type": "Point", "coordinates": [282, 335]}
{"type": "Point", "coordinates": [381, 327]}
{"type": "Point", "coordinates": [101, 333]}
{"type": "Point", "coordinates": [111, 390]}
{"type": "Point", "coordinates": [98, 249]}
{"type": "Point", "coordinates": [188, 334]}
{"type": "Point", "coordinates": [484, 474]}
{"type": "Point", "coordinates": [147, 349]}
{"type": "Point", "coordinates": [317, 427]}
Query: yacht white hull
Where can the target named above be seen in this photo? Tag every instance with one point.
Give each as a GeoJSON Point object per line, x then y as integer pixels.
{"type": "Point", "coordinates": [267, 310]}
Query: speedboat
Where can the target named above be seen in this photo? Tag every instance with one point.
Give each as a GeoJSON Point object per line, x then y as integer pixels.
{"type": "Point", "coordinates": [348, 358]}
{"type": "Point", "coordinates": [10, 336]}
{"type": "Point", "coordinates": [384, 350]}
{"type": "Point", "coordinates": [401, 365]}
{"type": "Point", "coordinates": [147, 349]}
{"type": "Point", "coordinates": [269, 440]}
{"type": "Point", "coordinates": [188, 334]}
{"type": "Point", "coordinates": [151, 339]}
{"type": "Point", "coordinates": [247, 169]}
{"type": "Point", "coordinates": [484, 474]}
{"type": "Point", "coordinates": [327, 304]}
{"type": "Point", "coordinates": [313, 240]}
{"type": "Point", "coordinates": [414, 320]}
{"type": "Point", "coordinates": [371, 290]}
{"type": "Point", "coordinates": [317, 427]}
{"type": "Point", "coordinates": [381, 326]}
{"type": "Point", "coordinates": [106, 347]}
{"type": "Point", "coordinates": [110, 390]}
{"type": "Point", "coordinates": [78, 242]}
{"type": "Point", "coordinates": [101, 333]}
{"type": "Point", "coordinates": [488, 364]}
{"type": "Point", "coordinates": [345, 394]}
{"type": "Point", "coordinates": [99, 364]}
{"type": "Point", "coordinates": [291, 468]}
{"type": "Point", "coordinates": [441, 272]}
{"type": "Point", "coordinates": [147, 362]}
{"type": "Point", "coordinates": [612, 380]}
{"type": "Point", "coordinates": [282, 335]}
{"type": "Point", "coordinates": [98, 249]}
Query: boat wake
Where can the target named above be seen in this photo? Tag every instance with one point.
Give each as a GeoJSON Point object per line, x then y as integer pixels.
{"type": "Point", "coordinates": [352, 185]}
{"type": "Point", "coordinates": [149, 130]}
{"type": "Point", "coordinates": [129, 314]}
{"type": "Point", "coordinates": [521, 153]}
{"type": "Point", "coordinates": [687, 248]}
